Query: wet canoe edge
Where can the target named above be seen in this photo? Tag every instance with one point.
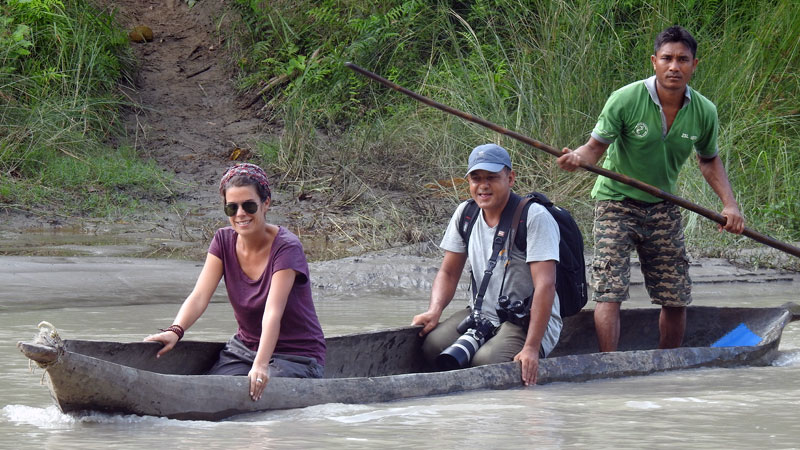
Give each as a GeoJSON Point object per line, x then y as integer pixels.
{"type": "Point", "coordinates": [378, 366]}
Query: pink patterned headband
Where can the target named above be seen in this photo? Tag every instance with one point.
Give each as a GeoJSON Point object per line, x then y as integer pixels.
{"type": "Point", "coordinates": [251, 171]}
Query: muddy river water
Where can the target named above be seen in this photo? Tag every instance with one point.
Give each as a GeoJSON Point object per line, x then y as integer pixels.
{"type": "Point", "coordinates": [120, 299]}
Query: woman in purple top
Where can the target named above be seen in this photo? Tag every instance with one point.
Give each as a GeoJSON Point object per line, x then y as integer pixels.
{"type": "Point", "coordinates": [266, 276]}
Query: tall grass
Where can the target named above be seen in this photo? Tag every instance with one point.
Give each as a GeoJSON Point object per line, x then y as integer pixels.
{"type": "Point", "coordinates": [59, 71]}
{"type": "Point", "coordinates": [752, 71]}
{"type": "Point", "coordinates": [543, 68]}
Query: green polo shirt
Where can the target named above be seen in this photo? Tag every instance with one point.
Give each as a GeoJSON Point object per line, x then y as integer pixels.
{"type": "Point", "coordinates": [634, 125]}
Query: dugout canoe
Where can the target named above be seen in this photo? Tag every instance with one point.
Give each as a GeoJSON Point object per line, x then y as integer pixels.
{"type": "Point", "coordinates": [379, 366]}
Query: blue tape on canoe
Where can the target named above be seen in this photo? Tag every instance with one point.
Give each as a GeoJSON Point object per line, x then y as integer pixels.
{"type": "Point", "coordinates": [740, 336]}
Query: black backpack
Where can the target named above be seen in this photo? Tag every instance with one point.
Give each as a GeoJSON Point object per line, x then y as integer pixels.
{"type": "Point", "coordinates": [571, 268]}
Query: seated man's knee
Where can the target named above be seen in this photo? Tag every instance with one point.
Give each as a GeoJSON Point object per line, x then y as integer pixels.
{"type": "Point", "coordinates": [502, 347]}
{"type": "Point", "coordinates": [485, 357]}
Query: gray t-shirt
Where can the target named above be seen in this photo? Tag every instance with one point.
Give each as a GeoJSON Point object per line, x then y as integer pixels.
{"type": "Point", "coordinates": [542, 245]}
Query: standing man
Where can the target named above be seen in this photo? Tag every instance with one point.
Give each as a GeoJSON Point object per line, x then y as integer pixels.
{"type": "Point", "coordinates": [650, 128]}
{"type": "Point", "coordinates": [515, 275]}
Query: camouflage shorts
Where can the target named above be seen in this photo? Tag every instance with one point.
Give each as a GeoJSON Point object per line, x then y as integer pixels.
{"type": "Point", "coordinates": [655, 232]}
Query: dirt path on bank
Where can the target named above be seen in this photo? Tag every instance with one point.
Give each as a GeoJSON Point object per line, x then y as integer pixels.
{"type": "Point", "coordinates": [191, 118]}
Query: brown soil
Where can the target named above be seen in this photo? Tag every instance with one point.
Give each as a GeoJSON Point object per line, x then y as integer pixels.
{"type": "Point", "coordinates": [191, 117]}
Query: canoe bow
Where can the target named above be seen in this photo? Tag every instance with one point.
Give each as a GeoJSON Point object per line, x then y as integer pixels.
{"type": "Point", "coordinates": [43, 355]}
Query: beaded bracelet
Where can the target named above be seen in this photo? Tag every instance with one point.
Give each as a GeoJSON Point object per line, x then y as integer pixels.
{"type": "Point", "coordinates": [177, 329]}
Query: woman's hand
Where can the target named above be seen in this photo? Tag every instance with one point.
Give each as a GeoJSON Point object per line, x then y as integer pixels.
{"type": "Point", "coordinates": [259, 377]}
{"type": "Point", "coordinates": [167, 338]}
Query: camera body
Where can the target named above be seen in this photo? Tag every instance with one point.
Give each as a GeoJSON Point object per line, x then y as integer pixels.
{"type": "Point", "coordinates": [517, 312]}
{"type": "Point", "coordinates": [475, 331]}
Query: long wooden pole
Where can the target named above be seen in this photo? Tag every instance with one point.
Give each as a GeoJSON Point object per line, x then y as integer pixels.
{"type": "Point", "coordinates": [652, 190]}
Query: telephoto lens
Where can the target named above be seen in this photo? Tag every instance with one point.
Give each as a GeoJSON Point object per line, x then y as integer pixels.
{"type": "Point", "coordinates": [460, 353]}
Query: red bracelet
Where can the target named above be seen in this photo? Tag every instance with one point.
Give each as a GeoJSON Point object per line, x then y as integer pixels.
{"type": "Point", "coordinates": [177, 329]}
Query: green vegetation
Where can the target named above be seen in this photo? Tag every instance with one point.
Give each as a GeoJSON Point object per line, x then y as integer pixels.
{"type": "Point", "coordinates": [542, 68]}
{"type": "Point", "coordinates": [60, 65]}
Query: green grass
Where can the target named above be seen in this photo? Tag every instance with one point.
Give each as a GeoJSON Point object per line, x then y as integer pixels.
{"type": "Point", "coordinates": [108, 185]}
{"type": "Point", "coordinates": [60, 66]}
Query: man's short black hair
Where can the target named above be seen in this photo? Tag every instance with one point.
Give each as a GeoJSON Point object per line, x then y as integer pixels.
{"type": "Point", "coordinates": [676, 33]}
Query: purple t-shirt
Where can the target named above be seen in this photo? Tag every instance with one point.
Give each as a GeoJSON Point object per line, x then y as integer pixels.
{"type": "Point", "coordinates": [301, 333]}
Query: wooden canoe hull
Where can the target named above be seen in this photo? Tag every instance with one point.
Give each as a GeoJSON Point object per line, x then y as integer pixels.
{"type": "Point", "coordinates": [378, 366]}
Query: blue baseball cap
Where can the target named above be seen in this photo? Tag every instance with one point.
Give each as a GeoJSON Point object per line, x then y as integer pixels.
{"type": "Point", "coordinates": [489, 157]}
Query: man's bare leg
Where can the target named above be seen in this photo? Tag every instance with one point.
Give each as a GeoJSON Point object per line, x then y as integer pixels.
{"type": "Point", "coordinates": [671, 325]}
{"type": "Point", "coordinates": [606, 324]}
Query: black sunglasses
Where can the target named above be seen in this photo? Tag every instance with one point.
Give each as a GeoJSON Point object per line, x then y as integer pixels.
{"type": "Point", "coordinates": [250, 207]}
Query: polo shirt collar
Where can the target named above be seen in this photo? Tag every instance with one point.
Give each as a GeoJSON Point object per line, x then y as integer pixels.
{"type": "Point", "coordinates": [650, 84]}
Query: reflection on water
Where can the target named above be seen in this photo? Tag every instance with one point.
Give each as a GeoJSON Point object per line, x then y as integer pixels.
{"type": "Point", "coordinates": [710, 408]}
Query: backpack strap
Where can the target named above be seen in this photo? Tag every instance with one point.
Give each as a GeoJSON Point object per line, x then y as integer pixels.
{"type": "Point", "coordinates": [520, 216]}
{"type": "Point", "coordinates": [467, 220]}
{"type": "Point", "coordinates": [498, 243]}
{"type": "Point", "coordinates": [521, 229]}
{"type": "Point", "coordinates": [465, 224]}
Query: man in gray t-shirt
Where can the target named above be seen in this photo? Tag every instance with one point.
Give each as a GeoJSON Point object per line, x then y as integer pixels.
{"type": "Point", "coordinates": [516, 274]}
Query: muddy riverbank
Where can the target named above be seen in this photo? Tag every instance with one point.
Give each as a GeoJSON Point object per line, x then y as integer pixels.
{"type": "Point", "coordinates": [43, 282]}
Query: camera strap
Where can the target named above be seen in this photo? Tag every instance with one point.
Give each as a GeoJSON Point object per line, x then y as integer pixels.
{"type": "Point", "coordinates": [512, 234]}
{"type": "Point", "coordinates": [510, 211]}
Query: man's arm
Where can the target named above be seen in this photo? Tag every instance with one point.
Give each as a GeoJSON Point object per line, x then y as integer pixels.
{"type": "Point", "coordinates": [543, 274]}
{"type": "Point", "coordinates": [444, 287]}
{"type": "Point", "coordinates": [714, 173]}
{"type": "Point", "coordinates": [588, 153]}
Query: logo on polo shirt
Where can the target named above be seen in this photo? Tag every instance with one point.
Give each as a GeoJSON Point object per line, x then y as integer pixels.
{"type": "Point", "coordinates": [640, 130]}
{"type": "Point", "coordinates": [686, 136]}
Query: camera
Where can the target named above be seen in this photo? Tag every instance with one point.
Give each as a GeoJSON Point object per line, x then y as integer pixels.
{"type": "Point", "coordinates": [514, 311]}
{"type": "Point", "coordinates": [475, 331]}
